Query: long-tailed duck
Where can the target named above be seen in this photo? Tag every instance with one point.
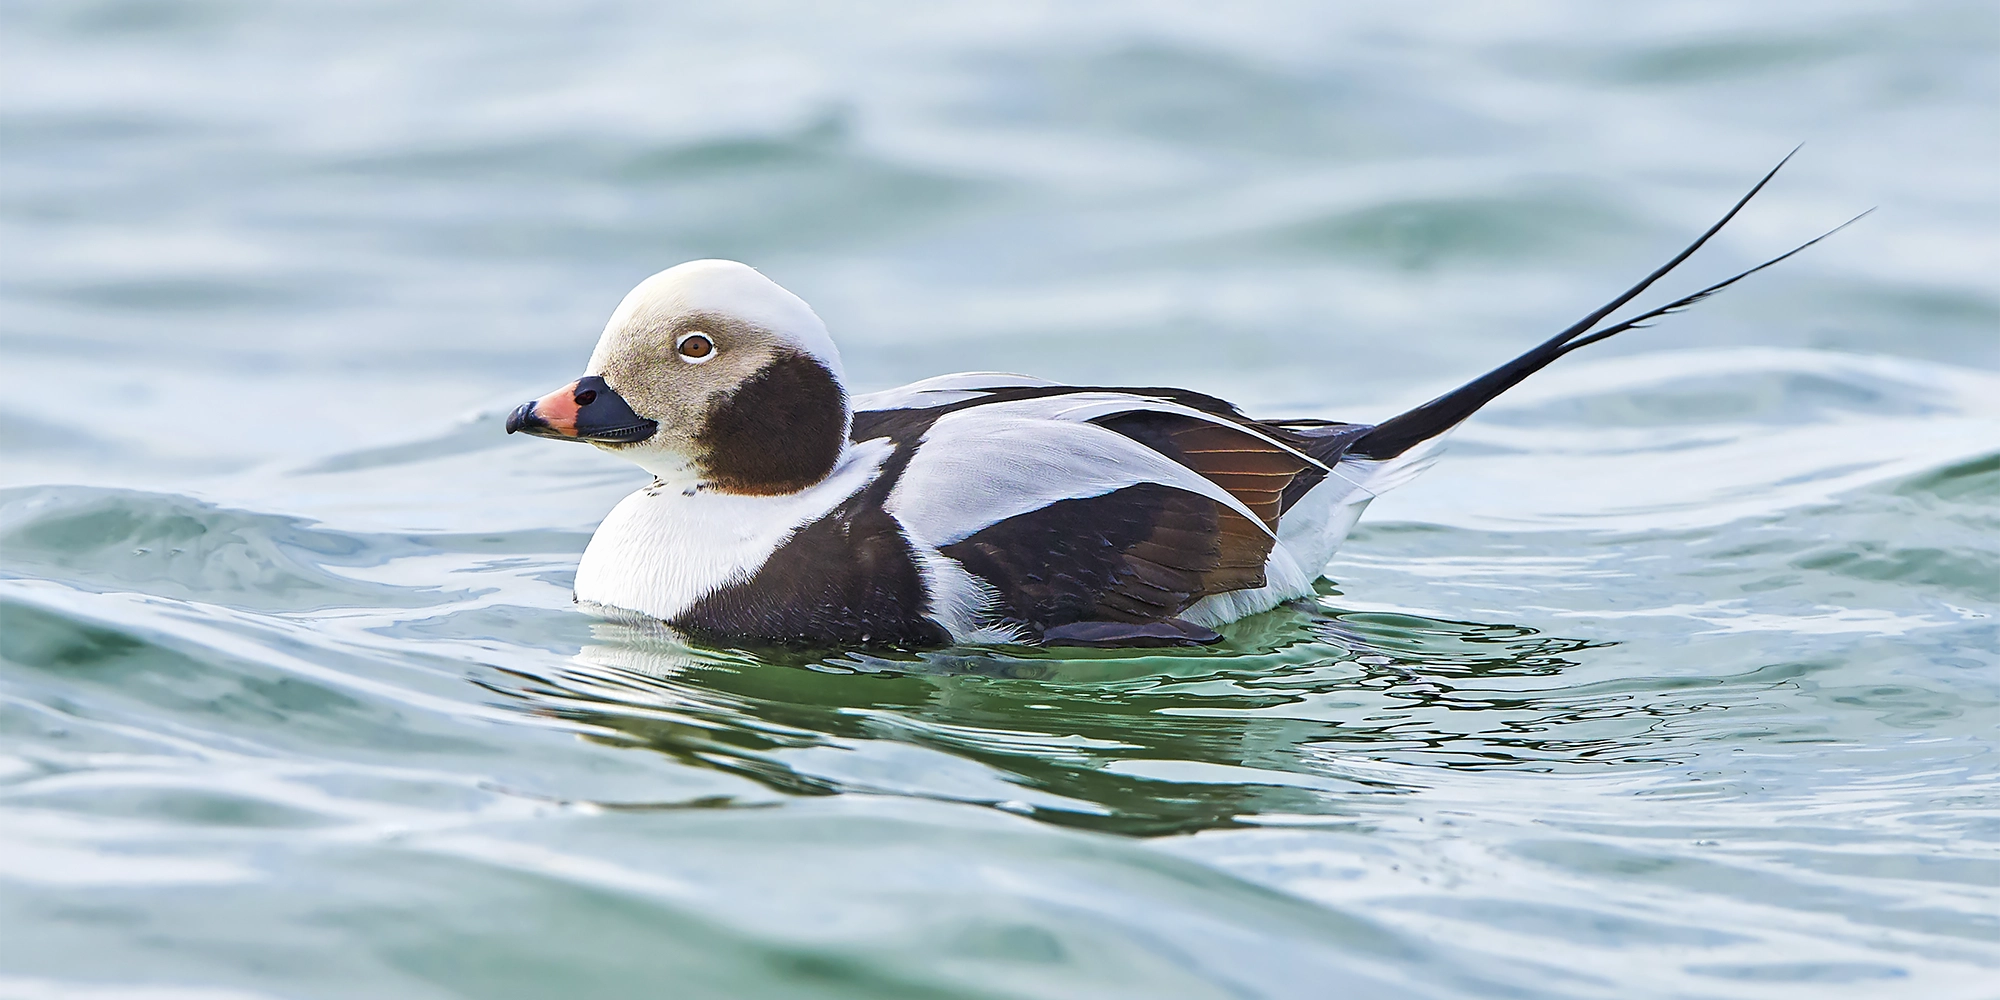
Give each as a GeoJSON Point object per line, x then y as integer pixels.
{"type": "Point", "coordinates": [965, 508]}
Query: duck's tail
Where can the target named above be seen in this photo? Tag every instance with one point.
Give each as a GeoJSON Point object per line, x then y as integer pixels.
{"type": "Point", "coordinates": [1404, 431]}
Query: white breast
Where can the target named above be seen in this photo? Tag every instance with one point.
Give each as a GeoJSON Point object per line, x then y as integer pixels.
{"type": "Point", "coordinates": [660, 551]}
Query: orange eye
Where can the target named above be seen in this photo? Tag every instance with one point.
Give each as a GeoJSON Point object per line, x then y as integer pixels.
{"type": "Point", "coordinates": [695, 347]}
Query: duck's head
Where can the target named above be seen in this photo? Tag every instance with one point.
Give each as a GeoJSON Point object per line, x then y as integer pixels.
{"type": "Point", "coordinates": [708, 373]}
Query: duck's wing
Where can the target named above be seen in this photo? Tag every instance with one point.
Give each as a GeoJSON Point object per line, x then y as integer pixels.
{"type": "Point", "coordinates": [1266, 465]}
{"type": "Point", "coordinates": [1075, 506]}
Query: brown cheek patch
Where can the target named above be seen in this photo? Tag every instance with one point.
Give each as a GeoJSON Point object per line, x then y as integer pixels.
{"type": "Point", "coordinates": [779, 432]}
{"type": "Point", "coordinates": [558, 410]}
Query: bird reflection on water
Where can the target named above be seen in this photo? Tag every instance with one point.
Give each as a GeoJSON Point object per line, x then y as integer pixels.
{"type": "Point", "coordinates": [1285, 722]}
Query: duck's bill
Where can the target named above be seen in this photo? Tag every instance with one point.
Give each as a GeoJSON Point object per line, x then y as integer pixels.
{"type": "Point", "coordinates": [584, 410]}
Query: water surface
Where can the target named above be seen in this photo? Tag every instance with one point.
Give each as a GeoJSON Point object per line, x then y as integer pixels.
{"type": "Point", "coordinates": [1676, 678]}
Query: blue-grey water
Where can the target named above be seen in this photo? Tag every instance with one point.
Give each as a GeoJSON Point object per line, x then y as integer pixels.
{"type": "Point", "coordinates": [1678, 677]}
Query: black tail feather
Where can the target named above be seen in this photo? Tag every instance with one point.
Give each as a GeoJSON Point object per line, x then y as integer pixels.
{"type": "Point", "coordinates": [1639, 321]}
{"type": "Point", "coordinates": [1399, 433]}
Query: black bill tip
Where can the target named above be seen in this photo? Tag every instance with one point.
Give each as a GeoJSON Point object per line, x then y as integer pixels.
{"type": "Point", "coordinates": [524, 419]}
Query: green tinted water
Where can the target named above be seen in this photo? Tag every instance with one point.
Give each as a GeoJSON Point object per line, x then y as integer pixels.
{"type": "Point", "coordinates": [1677, 677]}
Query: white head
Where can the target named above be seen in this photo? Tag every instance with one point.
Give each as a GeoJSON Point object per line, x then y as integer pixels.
{"type": "Point", "coordinates": [708, 372]}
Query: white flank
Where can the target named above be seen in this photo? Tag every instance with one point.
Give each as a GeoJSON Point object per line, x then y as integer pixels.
{"type": "Point", "coordinates": [1313, 530]}
{"type": "Point", "coordinates": [967, 606]}
{"type": "Point", "coordinates": [1376, 476]}
{"type": "Point", "coordinates": [1308, 535]}
{"type": "Point", "coordinates": [660, 550]}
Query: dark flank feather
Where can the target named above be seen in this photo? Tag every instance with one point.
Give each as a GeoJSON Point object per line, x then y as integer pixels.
{"type": "Point", "coordinates": [1140, 554]}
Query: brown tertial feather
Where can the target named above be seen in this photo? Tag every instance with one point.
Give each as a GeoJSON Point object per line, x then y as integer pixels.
{"type": "Point", "coordinates": [1253, 470]}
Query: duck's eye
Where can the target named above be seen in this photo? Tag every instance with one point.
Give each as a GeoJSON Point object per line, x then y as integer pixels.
{"type": "Point", "coordinates": [695, 348]}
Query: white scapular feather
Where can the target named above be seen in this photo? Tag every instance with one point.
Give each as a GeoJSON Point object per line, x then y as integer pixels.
{"type": "Point", "coordinates": [980, 466]}
{"type": "Point", "coordinates": [1077, 407]}
{"type": "Point", "coordinates": [944, 390]}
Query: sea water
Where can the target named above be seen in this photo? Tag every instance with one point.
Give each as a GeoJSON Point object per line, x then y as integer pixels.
{"type": "Point", "coordinates": [1679, 676]}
